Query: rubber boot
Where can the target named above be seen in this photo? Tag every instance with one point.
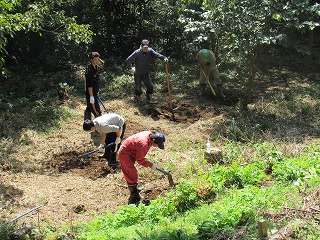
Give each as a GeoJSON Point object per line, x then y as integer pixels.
{"type": "Point", "coordinates": [202, 89]}
{"type": "Point", "coordinates": [149, 98]}
{"type": "Point", "coordinates": [134, 194]}
{"type": "Point", "coordinates": [220, 92]}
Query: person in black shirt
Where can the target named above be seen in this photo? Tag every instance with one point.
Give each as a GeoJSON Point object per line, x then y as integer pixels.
{"type": "Point", "coordinates": [92, 86]}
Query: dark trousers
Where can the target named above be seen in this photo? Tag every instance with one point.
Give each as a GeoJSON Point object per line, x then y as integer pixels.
{"type": "Point", "coordinates": [89, 109]}
{"type": "Point", "coordinates": [145, 78]}
{"type": "Point", "coordinates": [110, 152]}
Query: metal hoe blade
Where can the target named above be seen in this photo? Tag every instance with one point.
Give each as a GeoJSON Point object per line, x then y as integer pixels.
{"type": "Point", "coordinates": [170, 179]}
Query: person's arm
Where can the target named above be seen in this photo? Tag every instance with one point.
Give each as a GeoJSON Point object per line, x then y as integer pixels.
{"type": "Point", "coordinates": [90, 90]}
{"type": "Point", "coordinates": [118, 133]}
{"type": "Point", "coordinates": [144, 162]}
{"type": "Point", "coordinates": [198, 57]}
{"type": "Point", "coordinates": [156, 54]}
{"type": "Point", "coordinates": [92, 100]}
{"type": "Point", "coordinates": [141, 154]}
{"type": "Point", "coordinates": [130, 59]}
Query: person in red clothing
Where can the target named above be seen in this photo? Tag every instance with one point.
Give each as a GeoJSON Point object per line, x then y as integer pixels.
{"type": "Point", "coordinates": [134, 149]}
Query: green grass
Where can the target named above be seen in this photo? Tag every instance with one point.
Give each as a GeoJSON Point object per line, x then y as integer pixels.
{"type": "Point", "coordinates": [237, 197]}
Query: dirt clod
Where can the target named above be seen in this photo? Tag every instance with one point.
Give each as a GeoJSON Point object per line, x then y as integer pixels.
{"type": "Point", "coordinates": [79, 209]}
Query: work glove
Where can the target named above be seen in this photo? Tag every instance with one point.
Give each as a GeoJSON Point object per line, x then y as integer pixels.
{"type": "Point", "coordinates": [92, 99]}
{"type": "Point", "coordinates": [101, 148]}
{"type": "Point", "coordinates": [133, 70]}
{"type": "Point", "coordinates": [154, 167]}
{"type": "Point", "coordinates": [117, 141]}
{"type": "Point", "coordinates": [166, 60]}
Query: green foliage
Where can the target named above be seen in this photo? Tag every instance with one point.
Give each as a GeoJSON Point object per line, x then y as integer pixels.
{"type": "Point", "coordinates": [44, 17]}
{"type": "Point", "coordinates": [243, 38]}
{"type": "Point", "coordinates": [6, 231]}
{"type": "Point", "coordinates": [185, 196]}
{"type": "Point", "coordinates": [297, 169]}
{"type": "Point", "coordinates": [256, 177]}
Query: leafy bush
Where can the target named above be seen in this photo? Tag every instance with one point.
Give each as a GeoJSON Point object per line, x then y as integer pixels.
{"type": "Point", "coordinates": [185, 197]}
{"type": "Point", "coordinates": [296, 168]}
{"type": "Point", "coordinates": [6, 231]}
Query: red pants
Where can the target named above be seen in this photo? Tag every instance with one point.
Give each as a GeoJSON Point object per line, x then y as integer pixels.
{"type": "Point", "coordinates": [129, 170]}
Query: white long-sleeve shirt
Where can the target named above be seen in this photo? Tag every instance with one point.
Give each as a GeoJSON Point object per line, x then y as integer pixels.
{"type": "Point", "coordinates": [109, 122]}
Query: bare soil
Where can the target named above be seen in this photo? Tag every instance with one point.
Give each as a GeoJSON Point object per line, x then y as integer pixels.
{"type": "Point", "coordinates": [49, 173]}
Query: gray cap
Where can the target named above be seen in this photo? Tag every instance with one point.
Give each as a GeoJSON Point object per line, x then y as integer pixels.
{"type": "Point", "coordinates": [94, 54]}
{"type": "Point", "coordinates": [144, 43]}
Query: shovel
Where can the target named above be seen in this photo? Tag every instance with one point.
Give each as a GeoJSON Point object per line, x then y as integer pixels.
{"type": "Point", "coordinates": [93, 151]}
{"type": "Point", "coordinates": [208, 81]}
{"type": "Point", "coordinates": [169, 91]}
{"type": "Point", "coordinates": [103, 104]}
{"type": "Point", "coordinates": [171, 183]}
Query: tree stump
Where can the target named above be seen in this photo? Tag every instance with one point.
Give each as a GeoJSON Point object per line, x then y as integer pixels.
{"type": "Point", "coordinates": [214, 155]}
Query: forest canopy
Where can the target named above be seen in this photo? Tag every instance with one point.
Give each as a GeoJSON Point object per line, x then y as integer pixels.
{"type": "Point", "coordinates": [50, 31]}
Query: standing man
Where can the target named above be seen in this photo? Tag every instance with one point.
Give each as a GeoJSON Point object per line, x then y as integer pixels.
{"type": "Point", "coordinates": [134, 149]}
{"type": "Point", "coordinates": [139, 63]}
{"type": "Point", "coordinates": [92, 86]}
{"type": "Point", "coordinates": [208, 70]}
{"type": "Point", "coordinates": [111, 127]}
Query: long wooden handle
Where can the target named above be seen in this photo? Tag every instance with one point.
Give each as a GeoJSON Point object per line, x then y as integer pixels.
{"type": "Point", "coordinates": [208, 81]}
{"type": "Point", "coordinates": [168, 84]}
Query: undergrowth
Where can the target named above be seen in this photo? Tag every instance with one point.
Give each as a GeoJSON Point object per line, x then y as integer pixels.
{"type": "Point", "coordinates": [270, 168]}
{"type": "Point", "coordinates": [237, 197]}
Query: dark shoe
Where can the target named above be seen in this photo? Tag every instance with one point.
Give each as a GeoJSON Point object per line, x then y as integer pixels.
{"type": "Point", "coordinates": [149, 99]}
{"type": "Point", "coordinates": [116, 164]}
{"type": "Point", "coordinates": [135, 199]}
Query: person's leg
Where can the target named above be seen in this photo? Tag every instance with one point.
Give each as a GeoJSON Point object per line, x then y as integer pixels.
{"type": "Point", "coordinates": [137, 87]}
{"type": "Point", "coordinates": [87, 112]}
{"type": "Point", "coordinates": [202, 84]}
{"type": "Point", "coordinates": [149, 86]}
{"type": "Point", "coordinates": [135, 197]}
{"type": "Point", "coordinates": [97, 106]}
{"type": "Point", "coordinates": [214, 73]}
{"type": "Point", "coordinates": [90, 109]}
{"type": "Point", "coordinates": [109, 151]}
{"type": "Point", "coordinates": [130, 174]}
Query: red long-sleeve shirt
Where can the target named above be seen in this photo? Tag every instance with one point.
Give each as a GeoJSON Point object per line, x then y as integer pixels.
{"type": "Point", "coordinates": [137, 147]}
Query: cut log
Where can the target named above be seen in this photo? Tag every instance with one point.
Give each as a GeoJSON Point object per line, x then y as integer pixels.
{"type": "Point", "coordinates": [263, 230]}
{"type": "Point", "coordinates": [214, 155]}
